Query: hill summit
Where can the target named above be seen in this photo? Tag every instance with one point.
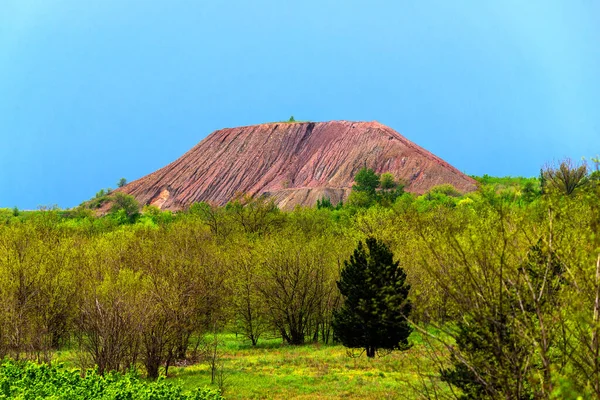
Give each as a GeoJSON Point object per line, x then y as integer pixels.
{"type": "Point", "coordinates": [292, 163]}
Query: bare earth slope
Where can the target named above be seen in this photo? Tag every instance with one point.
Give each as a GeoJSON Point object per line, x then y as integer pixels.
{"type": "Point", "coordinates": [294, 163]}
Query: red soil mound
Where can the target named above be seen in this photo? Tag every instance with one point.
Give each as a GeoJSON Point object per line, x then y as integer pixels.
{"type": "Point", "coordinates": [294, 163]}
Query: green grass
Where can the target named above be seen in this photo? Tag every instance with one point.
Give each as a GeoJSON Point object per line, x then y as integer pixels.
{"type": "Point", "coordinates": [273, 370]}
{"type": "Point", "coordinates": [506, 181]}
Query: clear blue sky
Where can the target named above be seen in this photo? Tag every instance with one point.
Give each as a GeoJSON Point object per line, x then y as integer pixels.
{"type": "Point", "coordinates": [95, 90]}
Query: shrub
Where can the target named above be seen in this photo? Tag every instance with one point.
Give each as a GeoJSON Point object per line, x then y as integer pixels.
{"type": "Point", "coordinates": [124, 207]}
{"type": "Point", "coordinates": [36, 381]}
{"type": "Point", "coordinates": [388, 181]}
{"type": "Point", "coordinates": [446, 189]}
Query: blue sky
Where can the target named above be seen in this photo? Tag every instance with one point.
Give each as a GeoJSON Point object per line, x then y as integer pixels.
{"type": "Point", "coordinates": [95, 90]}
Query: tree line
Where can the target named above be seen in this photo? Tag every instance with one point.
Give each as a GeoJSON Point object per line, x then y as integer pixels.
{"type": "Point", "coordinates": [509, 276]}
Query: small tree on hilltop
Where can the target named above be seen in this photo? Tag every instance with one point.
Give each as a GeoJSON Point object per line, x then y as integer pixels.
{"type": "Point", "coordinates": [375, 300]}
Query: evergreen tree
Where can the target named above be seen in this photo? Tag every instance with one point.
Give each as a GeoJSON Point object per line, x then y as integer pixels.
{"type": "Point", "coordinates": [324, 202]}
{"type": "Point", "coordinates": [387, 181]}
{"type": "Point", "coordinates": [375, 300]}
{"type": "Point", "coordinates": [366, 181]}
{"type": "Point", "coordinates": [542, 180]}
{"type": "Point", "coordinates": [492, 359]}
{"type": "Point", "coordinates": [494, 356]}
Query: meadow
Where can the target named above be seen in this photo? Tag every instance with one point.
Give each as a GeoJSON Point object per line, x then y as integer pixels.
{"type": "Point", "coordinates": [275, 370]}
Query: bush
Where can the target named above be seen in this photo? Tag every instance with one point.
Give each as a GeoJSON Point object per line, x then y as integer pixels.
{"type": "Point", "coordinates": [388, 181]}
{"type": "Point", "coordinates": [125, 208]}
{"type": "Point", "coordinates": [446, 189]}
{"type": "Point", "coordinates": [36, 381]}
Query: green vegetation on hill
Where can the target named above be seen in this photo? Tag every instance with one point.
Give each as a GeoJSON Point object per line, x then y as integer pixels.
{"type": "Point", "coordinates": [291, 120]}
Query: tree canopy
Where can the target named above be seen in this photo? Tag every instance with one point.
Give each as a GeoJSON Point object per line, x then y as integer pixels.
{"type": "Point", "coordinates": [366, 181]}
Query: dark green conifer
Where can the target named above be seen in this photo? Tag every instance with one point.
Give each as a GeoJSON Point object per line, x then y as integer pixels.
{"type": "Point", "coordinates": [375, 300]}
{"type": "Point", "coordinates": [366, 181]}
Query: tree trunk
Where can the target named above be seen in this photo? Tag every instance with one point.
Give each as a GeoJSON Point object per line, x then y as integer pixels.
{"type": "Point", "coordinates": [168, 363]}
{"type": "Point", "coordinates": [152, 367]}
{"type": "Point", "coordinates": [297, 337]}
{"type": "Point", "coordinates": [370, 351]}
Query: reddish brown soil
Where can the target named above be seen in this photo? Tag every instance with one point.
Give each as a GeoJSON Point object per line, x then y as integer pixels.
{"type": "Point", "coordinates": [294, 163]}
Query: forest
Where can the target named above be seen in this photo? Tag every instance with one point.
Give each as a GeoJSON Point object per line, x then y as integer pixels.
{"type": "Point", "coordinates": [504, 283]}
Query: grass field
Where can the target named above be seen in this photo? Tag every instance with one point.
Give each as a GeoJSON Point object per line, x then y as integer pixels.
{"type": "Point", "coordinates": [273, 370]}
